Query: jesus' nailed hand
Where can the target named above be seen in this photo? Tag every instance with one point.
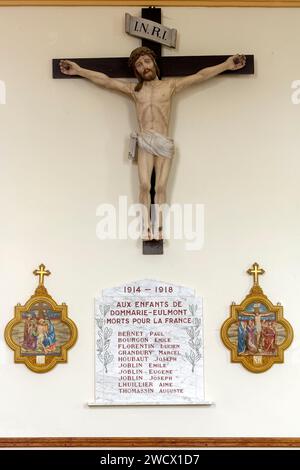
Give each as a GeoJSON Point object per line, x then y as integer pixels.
{"type": "Point", "coordinates": [152, 98]}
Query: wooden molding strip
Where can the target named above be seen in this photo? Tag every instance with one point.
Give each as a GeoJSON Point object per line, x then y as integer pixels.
{"type": "Point", "coordinates": [135, 442]}
{"type": "Point", "coordinates": [160, 3]}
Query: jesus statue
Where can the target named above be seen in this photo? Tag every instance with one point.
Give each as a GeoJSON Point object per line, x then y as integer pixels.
{"type": "Point", "coordinates": [152, 98]}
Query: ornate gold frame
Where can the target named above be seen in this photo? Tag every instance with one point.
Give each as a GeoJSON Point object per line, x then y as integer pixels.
{"type": "Point", "coordinates": [158, 3]}
{"type": "Point", "coordinates": [40, 295]}
{"type": "Point", "coordinates": [256, 295]}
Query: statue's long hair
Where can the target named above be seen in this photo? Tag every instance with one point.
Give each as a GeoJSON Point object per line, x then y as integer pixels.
{"type": "Point", "coordinates": [135, 54]}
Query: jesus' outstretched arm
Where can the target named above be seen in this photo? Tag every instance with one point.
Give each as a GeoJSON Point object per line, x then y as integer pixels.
{"type": "Point", "coordinates": [232, 63]}
{"type": "Point", "coordinates": [71, 68]}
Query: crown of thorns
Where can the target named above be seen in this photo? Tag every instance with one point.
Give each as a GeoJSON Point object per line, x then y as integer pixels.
{"type": "Point", "coordinates": [138, 52]}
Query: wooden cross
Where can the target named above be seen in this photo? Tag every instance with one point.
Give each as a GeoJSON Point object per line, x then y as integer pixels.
{"type": "Point", "coordinates": [41, 308]}
{"type": "Point", "coordinates": [175, 66]}
{"type": "Point", "coordinates": [41, 273]}
{"type": "Point", "coordinates": [255, 271]}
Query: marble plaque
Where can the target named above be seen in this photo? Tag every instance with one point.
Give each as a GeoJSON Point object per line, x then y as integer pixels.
{"type": "Point", "coordinates": [149, 345]}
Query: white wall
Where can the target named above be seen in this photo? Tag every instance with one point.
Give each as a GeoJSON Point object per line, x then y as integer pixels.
{"type": "Point", "coordinates": [62, 146]}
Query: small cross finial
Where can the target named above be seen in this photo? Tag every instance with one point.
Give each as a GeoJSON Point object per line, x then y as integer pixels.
{"type": "Point", "coordinates": [41, 272]}
{"type": "Point", "coordinates": [255, 271]}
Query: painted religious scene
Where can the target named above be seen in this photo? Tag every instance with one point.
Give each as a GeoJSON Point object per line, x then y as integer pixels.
{"type": "Point", "coordinates": [257, 331]}
{"type": "Point", "coordinates": [41, 331]}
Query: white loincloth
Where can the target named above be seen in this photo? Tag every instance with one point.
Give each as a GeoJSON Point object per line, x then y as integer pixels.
{"type": "Point", "coordinates": [156, 144]}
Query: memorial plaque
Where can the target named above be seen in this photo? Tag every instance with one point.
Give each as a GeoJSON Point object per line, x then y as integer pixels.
{"type": "Point", "coordinates": [149, 345]}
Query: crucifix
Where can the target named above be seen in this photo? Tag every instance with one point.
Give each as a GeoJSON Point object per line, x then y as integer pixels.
{"type": "Point", "coordinates": [152, 99]}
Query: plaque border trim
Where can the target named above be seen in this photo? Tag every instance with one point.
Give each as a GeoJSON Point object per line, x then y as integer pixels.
{"type": "Point", "coordinates": [200, 403]}
{"type": "Point", "coordinates": [134, 442]}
